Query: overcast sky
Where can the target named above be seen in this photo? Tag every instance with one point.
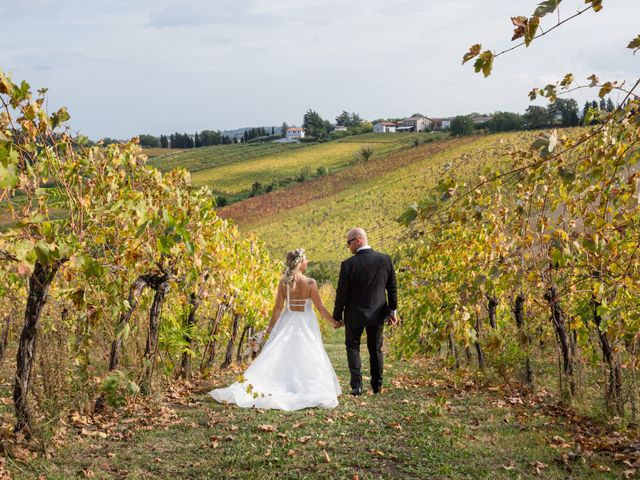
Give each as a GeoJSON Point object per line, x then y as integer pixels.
{"type": "Point", "coordinates": [125, 67]}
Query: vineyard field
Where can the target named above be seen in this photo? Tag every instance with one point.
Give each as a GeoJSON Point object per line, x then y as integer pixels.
{"type": "Point", "coordinates": [373, 198]}
{"type": "Point", "coordinates": [238, 178]}
{"type": "Point", "coordinates": [204, 158]}
{"type": "Point", "coordinates": [400, 137]}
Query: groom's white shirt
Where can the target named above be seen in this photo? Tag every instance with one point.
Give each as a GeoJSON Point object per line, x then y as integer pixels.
{"type": "Point", "coordinates": [367, 247]}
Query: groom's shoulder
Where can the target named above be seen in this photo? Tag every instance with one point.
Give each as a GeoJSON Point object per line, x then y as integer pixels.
{"type": "Point", "coordinates": [348, 261]}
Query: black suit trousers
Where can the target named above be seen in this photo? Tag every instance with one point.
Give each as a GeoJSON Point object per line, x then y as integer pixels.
{"type": "Point", "coordinates": [353, 333]}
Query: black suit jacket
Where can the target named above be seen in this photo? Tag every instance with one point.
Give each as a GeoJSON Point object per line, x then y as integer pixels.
{"type": "Point", "coordinates": [367, 289]}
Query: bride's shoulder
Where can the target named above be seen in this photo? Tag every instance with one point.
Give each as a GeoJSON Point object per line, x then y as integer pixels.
{"type": "Point", "coordinates": [307, 280]}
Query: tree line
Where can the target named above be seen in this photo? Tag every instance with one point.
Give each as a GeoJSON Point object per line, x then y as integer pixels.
{"type": "Point", "coordinates": [563, 112]}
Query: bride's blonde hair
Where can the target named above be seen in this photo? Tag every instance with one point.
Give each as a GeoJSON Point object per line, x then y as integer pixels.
{"type": "Point", "coordinates": [293, 261]}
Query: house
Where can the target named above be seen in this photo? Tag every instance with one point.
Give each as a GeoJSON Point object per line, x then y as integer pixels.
{"type": "Point", "coordinates": [339, 128]}
{"type": "Point", "coordinates": [295, 133]}
{"type": "Point", "coordinates": [415, 123]}
{"type": "Point", "coordinates": [384, 127]}
{"type": "Point", "coordinates": [441, 123]}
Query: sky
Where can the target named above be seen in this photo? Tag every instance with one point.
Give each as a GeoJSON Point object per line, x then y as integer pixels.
{"type": "Point", "coordinates": [126, 67]}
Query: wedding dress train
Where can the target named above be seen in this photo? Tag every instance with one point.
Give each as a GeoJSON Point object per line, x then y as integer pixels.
{"type": "Point", "coordinates": [293, 370]}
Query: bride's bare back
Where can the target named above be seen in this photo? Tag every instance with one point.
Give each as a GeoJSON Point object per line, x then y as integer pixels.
{"type": "Point", "coordinates": [305, 288]}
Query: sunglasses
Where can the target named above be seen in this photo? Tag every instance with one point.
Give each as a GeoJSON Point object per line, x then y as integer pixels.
{"type": "Point", "coordinates": [349, 241]}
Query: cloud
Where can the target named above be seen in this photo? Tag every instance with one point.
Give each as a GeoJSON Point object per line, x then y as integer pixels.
{"type": "Point", "coordinates": [185, 13]}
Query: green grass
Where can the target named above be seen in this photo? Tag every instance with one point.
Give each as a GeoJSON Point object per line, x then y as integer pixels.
{"type": "Point", "coordinates": [429, 423]}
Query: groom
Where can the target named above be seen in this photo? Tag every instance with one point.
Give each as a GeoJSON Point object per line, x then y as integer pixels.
{"type": "Point", "coordinates": [367, 295]}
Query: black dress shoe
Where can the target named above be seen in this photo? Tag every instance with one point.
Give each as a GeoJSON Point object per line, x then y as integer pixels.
{"type": "Point", "coordinates": [356, 391]}
{"type": "Point", "coordinates": [377, 390]}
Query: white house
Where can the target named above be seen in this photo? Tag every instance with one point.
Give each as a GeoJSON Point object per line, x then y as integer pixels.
{"type": "Point", "coordinates": [445, 123]}
{"type": "Point", "coordinates": [384, 127]}
{"type": "Point", "coordinates": [339, 128]}
{"type": "Point", "coordinates": [295, 133]}
{"type": "Point", "coordinates": [415, 123]}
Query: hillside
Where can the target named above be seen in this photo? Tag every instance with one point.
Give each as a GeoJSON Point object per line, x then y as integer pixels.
{"type": "Point", "coordinates": [232, 170]}
{"type": "Point", "coordinates": [316, 214]}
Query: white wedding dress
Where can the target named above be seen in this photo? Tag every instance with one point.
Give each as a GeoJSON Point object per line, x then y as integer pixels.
{"type": "Point", "coordinates": [293, 370]}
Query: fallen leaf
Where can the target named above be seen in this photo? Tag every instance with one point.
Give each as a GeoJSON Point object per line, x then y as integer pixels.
{"type": "Point", "coordinates": [291, 453]}
{"type": "Point", "coordinates": [326, 456]}
{"type": "Point", "coordinates": [600, 468]}
{"type": "Point", "coordinates": [266, 428]}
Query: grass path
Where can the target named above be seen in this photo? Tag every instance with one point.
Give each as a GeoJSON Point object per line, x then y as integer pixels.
{"type": "Point", "coordinates": [429, 423]}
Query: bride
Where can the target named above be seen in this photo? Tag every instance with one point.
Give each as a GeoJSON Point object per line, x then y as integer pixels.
{"type": "Point", "coordinates": [293, 370]}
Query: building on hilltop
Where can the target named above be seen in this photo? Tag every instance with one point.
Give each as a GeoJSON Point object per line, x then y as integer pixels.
{"type": "Point", "coordinates": [415, 123]}
{"type": "Point", "coordinates": [384, 127]}
{"type": "Point", "coordinates": [295, 133]}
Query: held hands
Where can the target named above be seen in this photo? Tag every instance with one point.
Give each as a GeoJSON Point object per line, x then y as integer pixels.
{"type": "Point", "coordinates": [393, 319]}
{"type": "Point", "coordinates": [337, 324]}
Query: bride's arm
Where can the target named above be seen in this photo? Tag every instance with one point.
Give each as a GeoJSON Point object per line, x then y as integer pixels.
{"type": "Point", "coordinates": [317, 302]}
{"type": "Point", "coordinates": [277, 308]}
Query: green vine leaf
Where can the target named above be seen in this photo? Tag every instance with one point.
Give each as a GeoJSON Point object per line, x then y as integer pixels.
{"type": "Point", "coordinates": [484, 63]}
{"type": "Point", "coordinates": [634, 44]}
{"type": "Point", "coordinates": [546, 7]}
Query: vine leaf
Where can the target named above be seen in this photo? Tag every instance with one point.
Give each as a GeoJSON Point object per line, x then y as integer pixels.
{"type": "Point", "coordinates": [546, 7]}
{"type": "Point", "coordinates": [473, 52]}
{"type": "Point", "coordinates": [525, 27]}
{"type": "Point", "coordinates": [484, 63]}
{"type": "Point", "coordinates": [634, 44]}
{"type": "Point", "coordinates": [596, 4]}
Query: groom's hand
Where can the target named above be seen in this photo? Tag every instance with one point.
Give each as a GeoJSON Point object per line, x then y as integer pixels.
{"type": "Point", "coordinates": [393, 319]}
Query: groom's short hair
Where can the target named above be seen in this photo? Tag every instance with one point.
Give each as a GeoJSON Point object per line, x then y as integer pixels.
{"type": "Point", "coordinates": [358, 232]}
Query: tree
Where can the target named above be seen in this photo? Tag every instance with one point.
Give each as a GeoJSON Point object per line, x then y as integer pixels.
{"type": "Point", "coordinates": [505, 122]}
{"type": "Point", "coordinates": [462, 125]}
{"type": "Point", "coordinates": [284, 128]}
{"type": "Point", "coordinates": [343, 119]}
{"type": "Point", "coordinates": [314, 125]}
{"type": "Point", "coordinates": [610, 106]}
{"type": "Point", "coordinates": [603, 104]}
{"type": "Point", "coordinates": [567, 110]}
{"type": "Point", "coordinates": [536, 116]}
{"type": "Point", "coordinates": [210, 137]}
{"type": "Point", "coordinates": [164, 141]}
{"type": "Point", "coordinates": [355, 120]}
{"type": "Point", "coordinates": [149, 141]}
